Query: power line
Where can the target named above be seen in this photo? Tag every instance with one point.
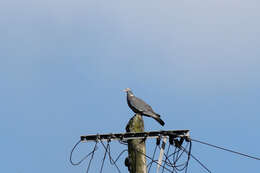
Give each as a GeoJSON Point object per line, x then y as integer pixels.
{"type": "Point", "coordinates": [175, 139]}
{"type": "Point", "coordinates": [84, 158]}
{"type": "Point", "coordinates": [232, 151]}
{"type": "Point", "coordinates": [201, 164]}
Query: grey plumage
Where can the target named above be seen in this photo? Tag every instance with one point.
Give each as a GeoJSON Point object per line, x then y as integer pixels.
{"type": "Point", "coordinates": [139, 106]}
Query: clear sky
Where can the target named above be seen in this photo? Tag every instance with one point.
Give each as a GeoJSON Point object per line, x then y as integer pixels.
{"type": "Point", "coordinates": [63, 65]}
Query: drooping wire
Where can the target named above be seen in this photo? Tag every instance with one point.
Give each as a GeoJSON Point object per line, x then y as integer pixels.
{"type": "Point", "coordinates": [84, 158]}
{"type": "Point", "coordinates": [120, 154]}
{"type": "Point", "coordinates": [104, 158]}
{"type": "Point", "coordinates": [189, 153]}
{"type": "Point", "coordinates": [173, 158]}
{"type": "Point", "coordinates": [150, 164]}
{"type": "Point", "coordinates": [166, 162]}
{"type": "Point", "coordinates": [92, 155]}
{"type": "Point", "coordinates": [186, 169]}
{"type": "Point", "coordinates": [170, 159]}
{"type": "Point", "coordinates": [107, 149]}
{"type": "Point", "coordinates": [178, 158]}
{"type": "Point", "coordinates": [228, 150]}
{"type": "Point", "coordinates": [184, 165]}
{"type": "Point", "coordinates": [72, 153]}
{"type": "Point", "coordinates": [155, 161]}
{"type": "Point", "coordinates": [200, 163]}
{"type": "Point", "coordinates": [166, 157]}
{"type": "Point", "coordinates": [176, 155]}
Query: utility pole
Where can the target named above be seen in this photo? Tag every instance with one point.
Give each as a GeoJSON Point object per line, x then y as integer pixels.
{"type": "Point", "coordinates": [136, 160]}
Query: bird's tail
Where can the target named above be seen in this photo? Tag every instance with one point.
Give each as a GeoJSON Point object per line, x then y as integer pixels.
{"type": "Point", "coordinates": [154, 116]}
{"type": "Point", "coordinates": [159, 120]}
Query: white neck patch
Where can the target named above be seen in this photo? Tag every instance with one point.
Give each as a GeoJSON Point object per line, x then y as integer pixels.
{"type": "Point", "coordinates": [131, 94]}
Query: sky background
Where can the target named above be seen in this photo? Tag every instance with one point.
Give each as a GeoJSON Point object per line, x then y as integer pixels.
{"type": "Point", "coordinates": [64, 64]}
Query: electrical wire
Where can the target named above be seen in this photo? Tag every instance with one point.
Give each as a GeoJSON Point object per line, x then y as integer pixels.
{"type": "Point", "coordinates": [150, 165]}
{"type": "Point", "coordinates": [168, 162]}
{"type": "Point", "coordinates": [167, 158]}
{"type": "Point", "coordinates": [92, 156]}
{"type": "Point", "coordinates": [228, 150]}
{"type": "Point", "coordinates": [184, 165]}
{"type": "Point", "coordinates": [155, 161]}
{"type": "Point", "coordinates": [197, 160]}
{"type": "Point", "coordinates": [103, 160]}
{"type": "Point", "coordinates": [84, 158]}
{"type": "Point", "coordinates": [170, 159]}
{"type": "Point", "coordinates": [107, 149]}
{"type": "Point", "coordinates": [186, 169]}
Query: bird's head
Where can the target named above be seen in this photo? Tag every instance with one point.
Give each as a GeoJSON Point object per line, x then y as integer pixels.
{"type": "Point", "coordinates": [128, 91]}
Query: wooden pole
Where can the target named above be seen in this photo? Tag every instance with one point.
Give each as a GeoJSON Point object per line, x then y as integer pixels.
{"type": "Point", "coordinates": [136, 147]}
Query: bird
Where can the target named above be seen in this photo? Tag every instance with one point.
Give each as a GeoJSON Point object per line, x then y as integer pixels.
{"type": "Point", "coordinates": [139, 106]}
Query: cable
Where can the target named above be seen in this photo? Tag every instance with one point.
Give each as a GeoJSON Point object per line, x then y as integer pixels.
{"type": "Point", "coordinates": [196, 160]}
{"type": "Point", "coordinates": [120, 154]}
{"type": "Point", "coordinates": [72, 153]}
{"type": "Point", "coordinates": [107, 149]}
{"type": "Point", "coordinates": [186, 169]}
{"type": "Point", "coordinates": [200, 163]}
{"type": "Point", "coordinates": [185, 164]}
{"type": "Point", "coordinates": [173, 158]}
{"type": "Point", "coordinates": [84, 158]}
{"type": "Point", "coordinates": [168, 164]}
{"type": "Point", "coordinates": [150, 165]}
{"type": "Point", "coordinates": [152, 159]}
{"type": "Point", "coordinates": [92, 155]}
{"type": "Point", "coordinates": [104, 158]}
{"type": "Point", "coordinates": [167, 158]}
{"type": "Point", "coordinates": [232, 151]}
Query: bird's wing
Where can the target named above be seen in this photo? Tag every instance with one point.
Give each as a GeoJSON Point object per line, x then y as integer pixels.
{"type": "Point", "coordinates": [140, 105]}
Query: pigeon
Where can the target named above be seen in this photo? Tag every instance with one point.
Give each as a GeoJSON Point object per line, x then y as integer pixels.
{"type": "Point", "coordinates": [139, 106]}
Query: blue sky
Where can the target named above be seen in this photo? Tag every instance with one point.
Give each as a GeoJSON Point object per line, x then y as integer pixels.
{"type": "Point", "coordinates": [63, 65]}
